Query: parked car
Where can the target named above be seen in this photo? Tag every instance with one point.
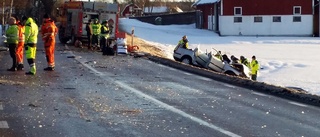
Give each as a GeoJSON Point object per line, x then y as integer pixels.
{"type": "Point", "coordinates": [208, 60]}
{"type": "Point", "coordinates": [3, 43]}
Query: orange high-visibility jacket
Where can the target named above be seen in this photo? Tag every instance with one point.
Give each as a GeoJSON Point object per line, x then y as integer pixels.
{"type": "Point", "coordinates": [21, 33]}
{"type": "Point", "coordinates": [48, 30]}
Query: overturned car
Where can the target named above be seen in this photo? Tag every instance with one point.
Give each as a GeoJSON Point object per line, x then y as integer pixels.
{"type": "Point", "coordinates": [208, 60]}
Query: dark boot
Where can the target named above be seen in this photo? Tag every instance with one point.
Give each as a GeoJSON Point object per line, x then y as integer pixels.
{"type": "Point", "coordinates": [29, 73]}
{"type": "Point", "coordinates": [49, 69]}
{"type": "Point", "coordinates": [12, 69]}
{"type": "Point", "coordinates": [98, 49]}
{"type": "Point", "coordinates": [20, 67]}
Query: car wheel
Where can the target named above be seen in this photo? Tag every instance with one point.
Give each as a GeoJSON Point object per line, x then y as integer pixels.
{"type": "Point", "coordinates": [230, 73]}
{"type": "Point", "coordinates": [175, 58]}
{"type": "Point", "coordinates": [186, 60]}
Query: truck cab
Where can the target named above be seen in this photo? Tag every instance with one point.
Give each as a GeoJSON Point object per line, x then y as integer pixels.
{"type": "Point", "coordinates": [74, 15]}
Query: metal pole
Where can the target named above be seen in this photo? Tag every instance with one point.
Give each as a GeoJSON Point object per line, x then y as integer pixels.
{"type": "Point", "coordinates": [2, 18]}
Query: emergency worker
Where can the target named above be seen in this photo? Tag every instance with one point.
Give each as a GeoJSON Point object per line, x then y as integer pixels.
{"type": "Point", "coordinates": [244, 61]}
{"type": "Point", "coordinates": [104, 34]}
{"type": "Point", "coordinates": [234, 59]}
{"type": "Point", "coordinates": [31, 40]}
{"type": "Point", "coordinates": [96, 28]}
{"type": "Point", "coordinates": [12, 34]}
{"type": "Point", "coordinates": [254, 65]}
{"type": "Point", "coordinates": [20, 47]}
{"type": "Point", "coordinates": [49, 31]}
{"type": "Point", "coordinates": [184, 43]}
{"type": "Point", "coordinates": [218, 55]}
{"type": "Point", "coordinates": [89, 33]}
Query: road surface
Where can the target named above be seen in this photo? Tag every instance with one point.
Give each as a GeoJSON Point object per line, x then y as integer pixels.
{"type": "Point", "coordinates": [90, 95]}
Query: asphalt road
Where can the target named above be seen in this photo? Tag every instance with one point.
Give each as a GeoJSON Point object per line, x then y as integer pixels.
{"type": "Point", "coordinates": [90, 95]}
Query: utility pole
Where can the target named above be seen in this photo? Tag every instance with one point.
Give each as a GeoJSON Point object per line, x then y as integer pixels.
{"type": "Point", "coordinates": [2, 17]}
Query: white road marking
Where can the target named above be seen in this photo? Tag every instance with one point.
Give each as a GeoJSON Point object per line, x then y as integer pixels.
{"type": "Point", "coordinates": [187, 73]}
{"type": "Point", "coordinates": [1, 107]}
{"type": "Point", "coordinates": [168, 107]}
{"type": "Point", "coordinates": [228, 85]}
{"type": "Point", "coordinates": [160, 65]}
{"type": "Point", "coordinates": [173, 69]}
{"type": "Point", "coordinates": [203, 78]}
{"type": "Point", "coordinates": [178, 111]}
{"type": "Point", "coordinates": [4, 124]}
{"type": "Point", "coordinates": [199, 77]}
{"type": "Point", "coordinates": [298, 104]}
{"type": "Point", "coordinates": [260, 94]}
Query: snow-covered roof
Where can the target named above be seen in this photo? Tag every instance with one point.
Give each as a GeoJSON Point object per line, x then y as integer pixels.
{"type": "Point", "coordinates": [200, 2]}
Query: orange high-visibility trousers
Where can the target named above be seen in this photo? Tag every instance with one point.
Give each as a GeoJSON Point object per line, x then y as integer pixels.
{"type": "Point", "coordinates": [19, 52]}
{"type": "Point", "coordinates": [50, 46]}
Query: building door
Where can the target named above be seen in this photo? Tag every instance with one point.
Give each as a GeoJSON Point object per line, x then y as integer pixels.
{"type": "Point", "coordinates": [211, 23]}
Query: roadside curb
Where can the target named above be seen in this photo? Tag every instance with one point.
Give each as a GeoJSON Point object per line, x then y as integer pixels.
{"type": "Point", "coordinates": [282, 92]}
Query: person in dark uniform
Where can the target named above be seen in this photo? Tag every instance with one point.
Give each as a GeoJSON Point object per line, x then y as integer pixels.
{"type": "Point", "coordinates": [89, 34]}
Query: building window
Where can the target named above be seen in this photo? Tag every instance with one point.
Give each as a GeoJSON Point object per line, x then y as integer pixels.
{"type": "Point", "coordinates": [237, 19]}
{"type": "Point", "coordinates": [296, 18]}
{"type": "Point", "coordinates": [257, 19]}
{"type": "Point", "coordinates": [237, 11]}
{"type": "Point", "coordinates": [276, 19]}
{"type": "Point", "coordinates": [296, 10]}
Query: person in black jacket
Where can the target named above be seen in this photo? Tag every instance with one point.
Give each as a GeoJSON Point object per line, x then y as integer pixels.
{"type": "Point", "coordinates": [104, 35]}
{"type": "Point", "coordinates": [89, 34]}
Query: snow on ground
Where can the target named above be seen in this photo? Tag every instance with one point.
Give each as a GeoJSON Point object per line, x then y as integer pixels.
{"type": "Point", "coordinates": [284, 61]}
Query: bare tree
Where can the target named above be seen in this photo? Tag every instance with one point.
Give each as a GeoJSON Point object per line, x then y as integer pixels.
{"type": "Point", "coordinates": [48, 5]}
{"type": "Point", "coordinates": [3, 3]}
{"type": "Point", "coordinates": [11, 6]}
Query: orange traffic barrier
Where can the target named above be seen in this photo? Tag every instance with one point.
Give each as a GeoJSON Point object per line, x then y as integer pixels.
{"type": "Point", "coordinates": [133, 48]}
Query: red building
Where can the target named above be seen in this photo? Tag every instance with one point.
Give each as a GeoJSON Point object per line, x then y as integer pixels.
{"type": "Point", "coordinates": [131, 10]}
{"type": "Point", "coordinates": [258, 17]}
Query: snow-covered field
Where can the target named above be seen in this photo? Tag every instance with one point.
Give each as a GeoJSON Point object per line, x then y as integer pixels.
{"type": "Point", "coordinates": [284, 61]}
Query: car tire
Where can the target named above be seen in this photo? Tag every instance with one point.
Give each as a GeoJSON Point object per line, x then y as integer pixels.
{"type": "Point", "coordinates": [230, 73]}
{"type": "Point", "coordinates": [175, 58]}
{"type": "Point", "coordinates": [186, 60]}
